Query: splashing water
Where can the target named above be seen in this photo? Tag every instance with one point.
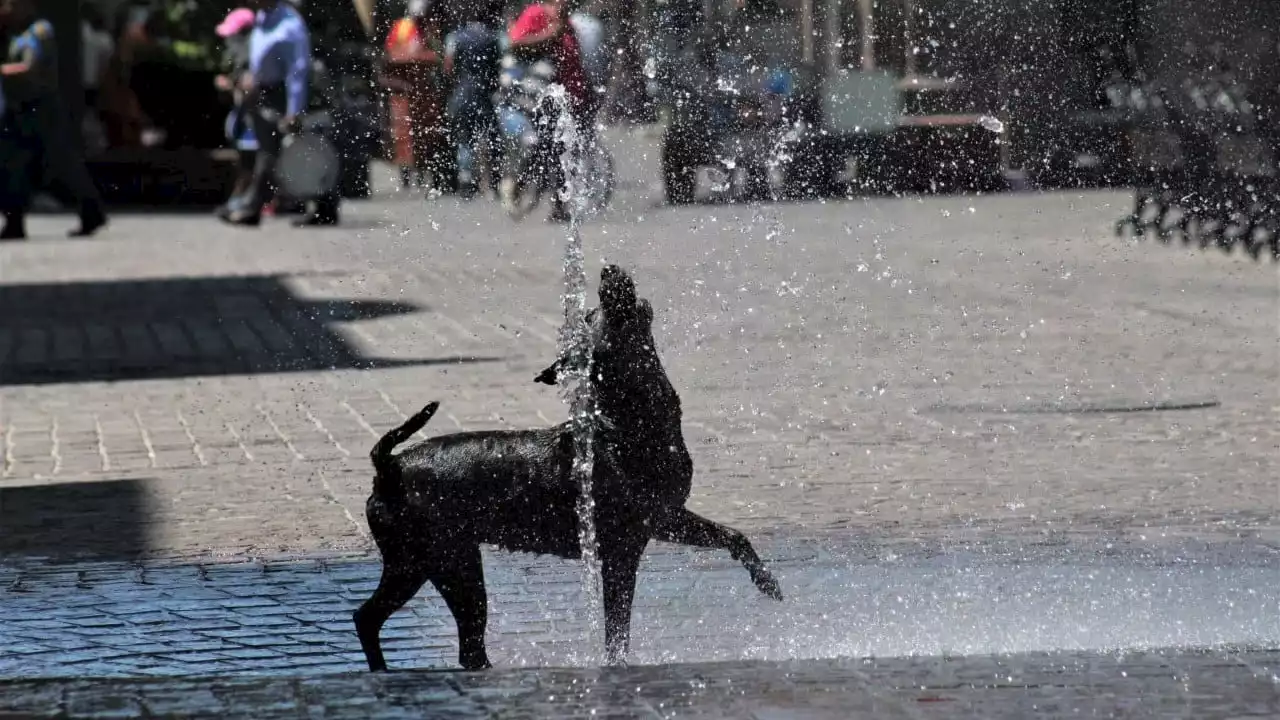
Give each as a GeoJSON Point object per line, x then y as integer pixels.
{"type": "Point", "coordinates": [991, 123]}
{"type": "Point", "coordinates": [575, 346]}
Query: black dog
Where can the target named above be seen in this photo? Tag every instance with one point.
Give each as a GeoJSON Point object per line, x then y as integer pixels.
{"type": "Point", "coordinates": [434, 504]}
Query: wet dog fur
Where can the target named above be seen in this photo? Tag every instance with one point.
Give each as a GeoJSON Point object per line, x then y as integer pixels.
{"type": "Point", "coordinates": [435, 503]}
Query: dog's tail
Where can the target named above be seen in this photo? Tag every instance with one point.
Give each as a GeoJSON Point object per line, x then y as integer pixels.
{"type": "Point", "coordinates": [386, 479]}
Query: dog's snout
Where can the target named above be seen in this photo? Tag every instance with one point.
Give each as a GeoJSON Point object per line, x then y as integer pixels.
{"type": "Point", "coordinates": [617, 289]}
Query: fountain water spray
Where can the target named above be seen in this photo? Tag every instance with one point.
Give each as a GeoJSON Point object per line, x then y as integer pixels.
{"type": "Point", "coordinates": [575, 346]}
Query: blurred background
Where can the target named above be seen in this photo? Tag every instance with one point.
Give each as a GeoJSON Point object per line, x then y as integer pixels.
{"type": "Point", "coordinates": [1069, 80]}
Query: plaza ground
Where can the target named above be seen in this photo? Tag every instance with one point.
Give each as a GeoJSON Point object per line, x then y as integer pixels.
{"type": "Point", "coordinates": [925, 411]}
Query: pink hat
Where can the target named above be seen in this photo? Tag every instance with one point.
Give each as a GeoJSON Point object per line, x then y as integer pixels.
{"type": "Point", "coordinates": [235, 23]}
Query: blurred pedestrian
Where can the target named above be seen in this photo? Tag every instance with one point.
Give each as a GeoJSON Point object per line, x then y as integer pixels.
{"type": "Point", "coordinates": [96, 48]}
{"type": "Point", "coordinates": [275, 95]}
{"type": "Point", "coordinates": [414, 73]}
{"type": "Point", "coordinates": [40, 125]}
{"type": "Point", "coordinates": [235, 31]}
{"type": "Point", "coordinates": [118, 104]}
{"type": "Point", "coordinates": [543, 31]}
{"type": "Point", "coordinates": [327, 121]}
{"type": "Point", "coordinates": [471, 57]}
{"type": "Point", "coordinates": [595, 60]}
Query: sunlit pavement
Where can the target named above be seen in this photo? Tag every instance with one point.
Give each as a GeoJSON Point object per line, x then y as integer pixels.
{"type": "Point", "coordinates": [956, 426]}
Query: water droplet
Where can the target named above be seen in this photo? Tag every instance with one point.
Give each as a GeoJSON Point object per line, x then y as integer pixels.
{"type": "Point", "coordinates": [991, 123]}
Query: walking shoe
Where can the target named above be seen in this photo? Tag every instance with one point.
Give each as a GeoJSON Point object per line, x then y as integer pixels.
{"type": "Point", "coordinates": [466, 185]}
{"type": "Point", "coordinates": [243, 218]}
{"type": "Point", "coordinates": [315, 220]}
{"type": "Point", "coordinates": [15, 226]}
{"type": "Point", "coordinates": [559, 213]}
{"type": "Point", "coordinates": [232, 204]}
{"type": "Point", "coordinates": [507, 193]}
{"type": "Point", "coordinates": [90, 222]}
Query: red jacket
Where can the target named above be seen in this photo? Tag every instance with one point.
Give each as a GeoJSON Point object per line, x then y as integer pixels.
{"type": "Point", "coordinates": [567, 55]}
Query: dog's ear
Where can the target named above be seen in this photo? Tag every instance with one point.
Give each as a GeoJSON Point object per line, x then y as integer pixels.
{"type": "Point", "coordinates": [548, 376]}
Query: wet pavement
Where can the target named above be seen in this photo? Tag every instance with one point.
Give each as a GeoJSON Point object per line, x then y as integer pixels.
{"type": "Point", "coordinates": [845, 597]}
{"type": "Point", "coordinates": [1154, 684]}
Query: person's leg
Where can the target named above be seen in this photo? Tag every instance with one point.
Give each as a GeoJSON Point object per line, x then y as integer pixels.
{"type": "Point", "coordinates": [267, 132]}
{"type": "Point", "coordinates": [17, 197]}
{"type": "Point", "coordinates": [490, 146]}
{"type": "Point", "coordinates": [465, 135]}
{"type": "Point", "coordinates": [68, 167]}
{"type": "Point", "coordinates": [323, 211]}
{"type": "Point", "coordinates": [327, 208]}
{"type": "Point", "coordinates": [16, 176]}
{"type": "Point", "coordinates": [245, 160]}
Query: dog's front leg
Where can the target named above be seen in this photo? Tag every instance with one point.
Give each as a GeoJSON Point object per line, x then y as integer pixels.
{"type": "Point", "coordinates": [460, 580]}
{"type": "Point", "coordinates": [683, 527]}
{"type": "Point", "coordinates": [618, 567]}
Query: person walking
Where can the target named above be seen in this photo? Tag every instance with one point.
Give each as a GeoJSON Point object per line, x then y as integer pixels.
{"type": "Point", "coordinates": [39, 126]}
{"type": "Point", "coordinates": [413, 75]}
{"type": "Point", "coordinates": [595, 61]}
{"type": "Point", "coordinates": [471, 57]}
{"type": "Point", "coordinates": [543, 30]}
{"type": "Point", "coordinates": [322, 210]}
{"type": "Point", "coordinates": [96, 48]}
{"type": "Point", "coordinates": [235, 31]}
{"type": "Point", "coordinates": [275, 95]}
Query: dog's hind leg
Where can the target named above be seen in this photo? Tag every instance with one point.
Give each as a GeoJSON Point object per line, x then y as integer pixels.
{"type": "Point", "coordinates": [683, 527]}
{"type": "Point", "coordinates": [460, 580]}
{"type": "Point", "coordinates": [619, 563]}
{"type": "Point", "coordinates": [399, 583]}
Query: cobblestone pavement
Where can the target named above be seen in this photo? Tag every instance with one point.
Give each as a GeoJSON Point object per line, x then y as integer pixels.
{"type": "Point", "coordinates": [1152, 684]}
{"type": "Point", "coordinates": [843, 599]}
{"type": "Point", "coordinates": [967, 425]}
{"type": "Point", "coordinates": [887, 366]}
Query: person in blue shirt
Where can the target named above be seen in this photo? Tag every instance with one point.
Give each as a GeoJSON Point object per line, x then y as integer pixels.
{"type": "Point", "coordinates": [44, 148]}
{"type": "Point", "coordinates": [275, 95]}
{"type": "Point", "coordinates": [471, 57]}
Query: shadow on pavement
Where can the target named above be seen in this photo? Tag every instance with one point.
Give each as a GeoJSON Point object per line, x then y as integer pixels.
{"type": "Point", "coordinates": [183, 327]}
{"type": "Point", "coordinates": [96, 520]}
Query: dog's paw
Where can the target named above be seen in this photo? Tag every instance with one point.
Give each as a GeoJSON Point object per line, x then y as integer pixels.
{"type": "Point", "coordinates": [475, 663]}
{"type": "Point", "coordinates": [767, 583]}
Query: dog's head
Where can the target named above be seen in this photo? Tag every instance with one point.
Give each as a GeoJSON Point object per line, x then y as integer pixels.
{"type": "Point", "coordinates": [617, 291]}
{"type": "Point", "coordinates": [624, 346]}
{"type": "Point", "coordinates": [626, 318]}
